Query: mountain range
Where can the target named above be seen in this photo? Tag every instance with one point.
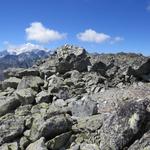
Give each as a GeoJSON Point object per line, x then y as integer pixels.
{"type": "Point", "coordinates": [22, 60]}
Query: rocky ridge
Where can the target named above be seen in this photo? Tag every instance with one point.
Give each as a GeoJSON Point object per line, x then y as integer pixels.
{"type": "Point", "coordinates": [74, 100]}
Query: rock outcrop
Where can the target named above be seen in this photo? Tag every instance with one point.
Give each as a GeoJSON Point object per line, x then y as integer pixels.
{"type": "Point", "coordinates": [74, 100]}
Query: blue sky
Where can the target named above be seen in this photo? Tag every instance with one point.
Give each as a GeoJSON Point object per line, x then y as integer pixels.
{"type": "Point", "coordinates": [98, 25]}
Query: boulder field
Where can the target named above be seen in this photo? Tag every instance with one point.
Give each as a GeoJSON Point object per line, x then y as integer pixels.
{"type": "Point", "coordinates": [74, 100]}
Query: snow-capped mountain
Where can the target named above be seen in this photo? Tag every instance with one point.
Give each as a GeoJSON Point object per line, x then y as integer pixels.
{"type": "Point", "coordinates": [24, 57]}
{"type": "Point", "coordinates": [24, 48]}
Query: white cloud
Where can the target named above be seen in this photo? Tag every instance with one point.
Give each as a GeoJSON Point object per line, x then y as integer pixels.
{"type": "Point", "coordinates": [37, 32]}
{"type": "Point", "coordinates": [18, 49]}
{"type": "Point", "coordinates": [116, 39]}
{"type": "Point", "coordinates": [90, 35]}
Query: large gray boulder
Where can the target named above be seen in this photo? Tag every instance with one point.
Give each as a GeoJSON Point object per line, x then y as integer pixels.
{"type": "Point", "coordinates": [55, 87]}
{"type": "Point", "coordinates": [72, 58]}
{"type": "Point", "coordinates": [59, 141]}
{"type": "Point", "coordinates": [90, 123]}
{"type": "Point", "coordinates": [12, 72]}
{"type": "Point", "coordinates": [84, 107]}
{"type": "Point", "coordinates": [28, 72]}
{"type": "Point", "coordinates": [11, 128]}
{"type": "Point", "coordinates": [67, 50]}
{"type": "Point", "coordinates": [48, 66]}
{"type": "Point", "coordinates": [49, 128]}
{"type": "Point", "coordinates": [12, 82]}
{"type": "Point", "coordinates": [25, 96]}
{"type": "Point", "coordinates": [8, 104]}
{"type": "Point", "coordinates": [99, 67]}
{"type": "Point", "coordinates": [142, 72]}
{"type": "Point", "coordinates": [126, 125]}
{"type": "Point", "coordinates": [33, 82]}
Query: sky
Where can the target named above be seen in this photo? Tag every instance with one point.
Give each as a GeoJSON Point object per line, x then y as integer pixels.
{"type": "Point", "coordinates": [103, 26]}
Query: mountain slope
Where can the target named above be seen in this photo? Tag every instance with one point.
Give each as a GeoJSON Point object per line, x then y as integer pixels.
{"type": "Point", "coordinates": [22, 60]}
{"type": "Point", "coordinates": [75, 100]}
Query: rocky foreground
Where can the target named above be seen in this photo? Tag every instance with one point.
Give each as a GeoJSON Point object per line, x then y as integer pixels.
{"type": "Point", "coordinates": [77, 101]}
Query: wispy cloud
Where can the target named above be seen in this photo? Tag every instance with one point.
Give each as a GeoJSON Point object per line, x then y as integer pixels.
{"type": "Point", "coordinates": [39, 33]}
{"type": "Point", "coordinates": [148, 7]}
{"type": "Point", "coordinates": [116, 39]}
{"type": "Point", "coordinates": [92, 36]}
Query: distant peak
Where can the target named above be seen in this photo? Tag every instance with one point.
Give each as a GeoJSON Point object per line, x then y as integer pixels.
{"type": "Point", "coordinates": [23, 48]}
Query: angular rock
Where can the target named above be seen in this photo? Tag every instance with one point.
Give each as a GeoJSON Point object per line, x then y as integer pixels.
{"type": "Point", "coordinates": [99, 67]}
{"type": "Point", "coordinates": [63, 67]}
{"type": "Point", "coordinates": [49, 64]}
{"type": "Point", "coordinates": [72, 58]}
{"type": "Point", "coordinates": [33, 82]}
{"type": "Point", "coordinates": [11, 82]}
{"type": "Point", "coordinates": [93, 79]}
{"type": "Point", "coordinates": [61, 92]}
{"type": "Point", "coordinates": [49, 128]}
{"type": "Point", "coordinates": [24, 142]}
{"type": "Point", "coordinates": [12, 72]}
{"type": "Point", "coordinates": [23, 111]}
{"type": "Point", "coordinates": [28, 72]}
{"type": "Point", "coordinates": [54, 109]}
{"type": "Point", "coordinates": [43, 97]}
{"type": "Point", "coordinates": [92, 123]}
{"type": "Point", "coordinates": [9, 146]}
{"type": "Point", "coordinates": [59, 141]}
{"type": "Point", "coordinates": [141, 144]}
{"type": "Point", "coordinates": [25, 96]}
{"type": "Point", "coordinates": [40, 110]}
{"type": "Point", "coordinates": [125, 126]}
{"type": "Point", "coordinates": [84, 107]}
{"type": "Point", "coordinates": [37, 145]}
{"type": "Point", "coordinates": [67, 50]}
{"type": "Point", "coordinates": [55, 81]}
{"type": "Point", "coordinates": [44, 74]}
{"type": "Point", "coordinates": [75, 75]}
{"type": "Point", "coordinates": [81, 65]}
{"type": "Point", "coordinates": [7, 92]}
{"type": "Point", "coordinates": [11, 128]}
{"type": "Point", "coordinates": [142, 73]}
{"type": "Point", "coordinates": [8, 104]}
{"type": "Point", "coordinates": [60, 103]}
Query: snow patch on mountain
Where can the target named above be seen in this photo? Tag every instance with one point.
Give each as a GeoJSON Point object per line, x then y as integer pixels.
{"type": "Point", "coordinates": [23, 48]}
